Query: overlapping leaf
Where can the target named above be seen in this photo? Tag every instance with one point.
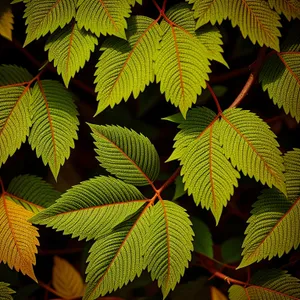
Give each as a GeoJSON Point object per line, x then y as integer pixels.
{"type": "Point", "coordinates": [14, 109]}
{"type": "Point", "coordinates": [118, 258]}
{"type": "Point", "coordinates": [46, 16]}
{"type": "Point", "coordinates": [251, 147]}
{"type": "Point", "coordinates": [280, 76]}
{"type": "Point", "coordinates": [182, 64]}
{"type": "Point", "coordinates": [55, 123]}
{"type": "Point", "coordinates": [211, 38]}
{"type": "Point", "coordinates": [126, 67]}
{"type": "Point", "coordinates": [209, 11]}
{"type": "Point", "coordinates": [66, 280]}
{"type": "Point", "coordinates": [275, 218]}
{"type": "Point", "coordinates": [23, 198]}
{"type": "Point", "coordinates": [70, 48]}
{"type": "Point", "coordinates": [93, 208]}
{"type": "Point", "coordinates": [269, 284]}
{"type": "Point", "coordinates": [132, 2]}
{"type": "Point", "coordinates": [169, 245]}
{"type": "Point", "coordinates": [6, 291]}
{"type": "Point", "coordinates": [18, 237]}
{"type": "Point", "coordinates": [256, 20]}
{"type": "Point", "coordinates": [126, 154]}
{"type": "Point", "coordinates": [290, 8]}
{"type": "Point", "coordinates": [104, 16]}
{"type": "Point", "coordinates": [207, 173]}
{"type": "Point", "coordinates": [31, 192]}
{"type": "Point", "coordinates": [6, 20]}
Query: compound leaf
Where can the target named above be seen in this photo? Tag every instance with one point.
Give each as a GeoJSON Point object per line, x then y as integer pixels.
{"type": "Point", "coordinates": [207, 173]}
{"type": "Point", "coordinates": [256, 20]}
{"type": "Point", "coordinates": [126, 67]}
{"type": "Point", "coordinates": [46, 16]}
{"type": "Point", "coordinates": [290, 8]}
{"type": "Point", "coordinates": [252, 147]}
{"type": "Point", "coordinates": [117, 258]}
{"type": "Point", "coordinates": [169, 245]}
{"type": "Point", "coordinates": [55, 123]}
{"type": "Point", "coordinates": [182, 64]}
{"type": "Point", "coordinates": [70, 48]}
{"type": "Point", "coordinates": [273, 218]}
{"type": "Point", "coordinates": [103, 16]}
{"type": "Point", "coordinates": [15, 118]}
{"type": "Point", "coordinates": [6, 291]}
{"type": "Point", "coordinates": [209, 11]}
{"type": "Point", "coordinates": [66, 279]}
{"type": "Point", "coordinates": [6, 20]}
{"type": "Point", "coordinates": [126, 154]}
{"type": "Point", "coordinates": [268, 284]}
{"type": "Point", "coordinates": [280, 76]}
{"type": "Point", "coordinates": [93, 208]}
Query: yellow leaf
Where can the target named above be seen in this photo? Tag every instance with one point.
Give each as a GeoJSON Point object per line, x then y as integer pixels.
{"type": "Point", "coordinates": [18, 237]}
{"type": "Point", "coordinates": [66, 280]}
{"type": "Point", "coordinates": [216, 294]}
{"type": "Point", "coordinates": [6, 20]}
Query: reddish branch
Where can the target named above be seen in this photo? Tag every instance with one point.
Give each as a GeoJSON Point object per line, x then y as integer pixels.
{"type": "Point", "coordinates": [256, 66]}
{"type": "Point", "coordinates": [215, 98]}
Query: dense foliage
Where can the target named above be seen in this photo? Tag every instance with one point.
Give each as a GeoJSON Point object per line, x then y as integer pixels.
{"type": "Point", "coordinates": [134, 210]}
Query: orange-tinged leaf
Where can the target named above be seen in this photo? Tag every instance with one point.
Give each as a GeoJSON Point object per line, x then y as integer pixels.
{"type": "Point", "coordinates": [216, 294]}
{"type": "Point", "coordinates": [18, 237]}
{"type": "Point", "coordinates": [66, 280]}
{"type": "Point", "coordinates": [6, 20]}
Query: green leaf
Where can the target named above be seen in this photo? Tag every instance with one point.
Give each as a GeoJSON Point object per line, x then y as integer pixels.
{"type": "Point", "coordinates": [207, 173]}
{"type": "Point", "coordinates": [231, 250]}
{"type": "Point", "coordinates": [182, 64]}
{"type": "Point", "coordinates": [280, 76]}
{"type": "Point", "coordinates": [46, 16]}
{"type": "Point", "coordinates": [103, 17]}
{"type": "Point", "coordinates": [176, 118]}
{"type": "Point", "coordinates": [5, 291]}
{"type": "Point", "coordinates": [203, 242]}
{"type": "Point", "coordinates": [117, 258]}
{"type": "Point", "coordinates": [211, 38]}
{"type": "Point", "coordinates": [126, 154]}
{"type": "Point", "coordinates": [126, 67]}
{"type": "Point", "coordinates": [55, 122]}
{"type": "Point", "coordinates": [273, 218]}
{"type": "Point", "coordinates": [31, 192]}
{"type": "Point", "coordinates": [6, 20]}
{"type": "Point", "coordinates": [197, 120]}
{"type": "Point", "coordinates": [93, 208]}
{"type": "Point", "coordinates": [251, 146]}
{"type": "Point", "coordinates": [256, 20]}
{"type": "Point", "coordinates": [14, 109]}
{"type": "Point", "coordinates": [70, 48]}
{"type": "Point", "coordinates": [169, 244]}
{"type": "Point", "coordinates": [292, 173]}
{"type": "Point", "coordinates": [290, 8]}
{"type": "Point", "coordinates": [209, 11]}
{"type": "Point", "coordinates": [268, 284]}
{"type": "Point", "coordinates": [179, 188]}
{"type": "Point", "coordinates": [132, 2]}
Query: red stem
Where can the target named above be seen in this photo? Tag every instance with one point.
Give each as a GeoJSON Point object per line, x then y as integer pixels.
{"type": "Point", "coordinates": [256, 66]}
{"type": "Point", "coordinates": [169, 181]}
{"type": "Point", "coordinates": [214, 97]}
{"type": "Point", "coordinates": [2, 186]}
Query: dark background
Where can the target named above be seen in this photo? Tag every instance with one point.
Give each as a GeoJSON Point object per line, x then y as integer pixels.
{"type": "Point", "coordinates": [144, 115]}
